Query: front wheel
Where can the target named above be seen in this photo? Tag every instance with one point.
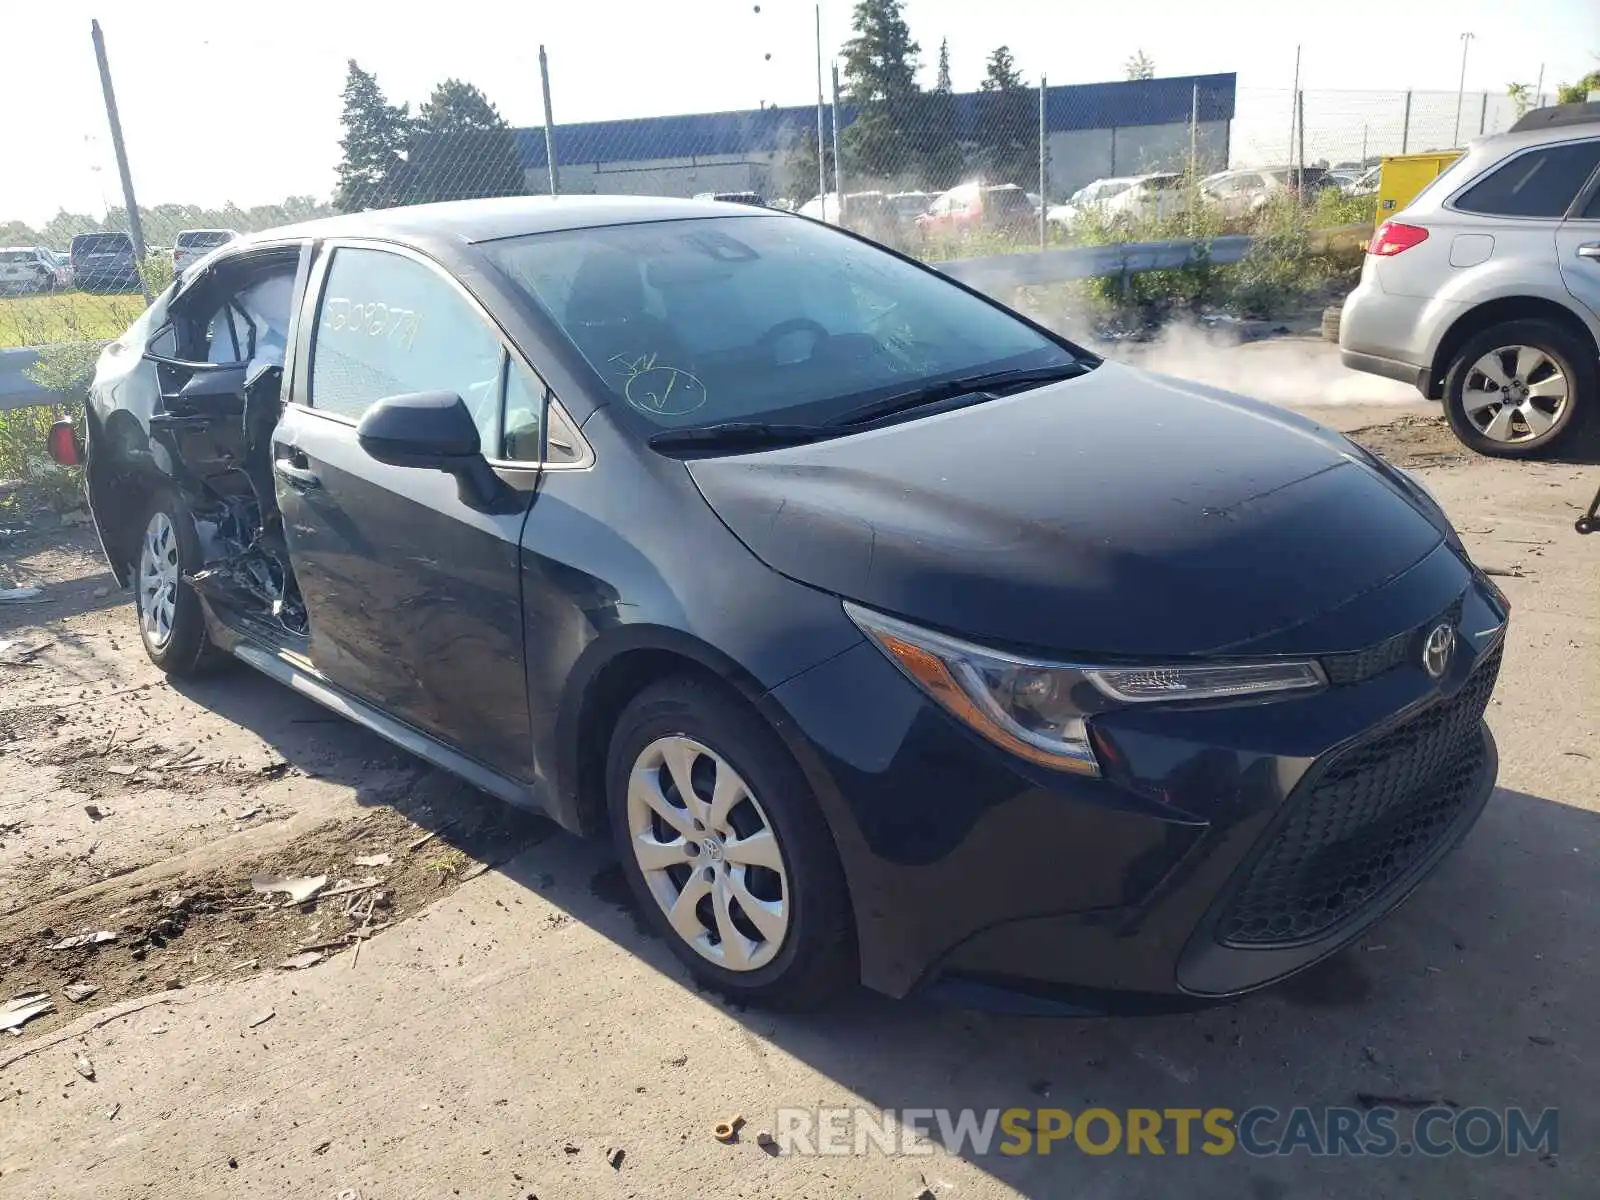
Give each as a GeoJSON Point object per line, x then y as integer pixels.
{"type": "Point", "coordinates": [725, 848]}
{"type": "Point", "coordinates": [1520, 389]}
{"type": "Point", "coordinates": [171, 623]}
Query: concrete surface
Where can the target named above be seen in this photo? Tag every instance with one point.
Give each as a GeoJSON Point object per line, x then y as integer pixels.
{"type": "Point", "coordinates": [509, 1039]}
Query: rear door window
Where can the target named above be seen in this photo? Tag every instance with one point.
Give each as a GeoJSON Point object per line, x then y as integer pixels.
{"type": "Point", "coordinates": [1539, 183]}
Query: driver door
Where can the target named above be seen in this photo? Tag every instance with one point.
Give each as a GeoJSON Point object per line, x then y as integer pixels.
{"type": "Point", "coordinates": [412, 597]}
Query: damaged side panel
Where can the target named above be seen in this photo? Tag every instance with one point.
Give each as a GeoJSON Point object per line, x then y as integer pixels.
{"type": "Point", "coordinates": [186, 401]}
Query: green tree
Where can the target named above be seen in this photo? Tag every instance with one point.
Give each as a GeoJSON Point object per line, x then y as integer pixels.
{"type": "Point", "coordinates": [943, 160]}
{"type": "Point", "coordinates": [373, 172]}
{"type": "Point", "coordinates": [1008, 123]}
{"type": "Point", "coordinates": [1001, 74]}
{"type": "Point", "coordinates": [461, 147]}
{"type": "Point", "coordinates": [1140, 66]}
{"type": "Point", "coordinates": [1522, 98]}
{"type": "Point", "coordinates": [798, 167]}
{"type": "Point", "coordinates": [880, 79]}
{"type": "Point", "coordinates": [1577, 93]}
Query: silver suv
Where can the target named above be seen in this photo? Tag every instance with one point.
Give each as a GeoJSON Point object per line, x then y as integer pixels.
{"type": "Point", "coordinates": [1485, 291]}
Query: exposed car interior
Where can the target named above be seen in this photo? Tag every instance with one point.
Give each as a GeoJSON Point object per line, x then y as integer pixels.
{"type": "Point", "coordinates": [220, 361]}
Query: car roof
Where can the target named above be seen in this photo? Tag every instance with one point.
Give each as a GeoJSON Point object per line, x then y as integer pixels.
{"type": "Point", "coordinates": [503, 217]}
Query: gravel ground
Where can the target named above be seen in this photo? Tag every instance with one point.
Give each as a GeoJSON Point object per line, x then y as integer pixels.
{"type": "Point", "coordinates": [507, 1028]}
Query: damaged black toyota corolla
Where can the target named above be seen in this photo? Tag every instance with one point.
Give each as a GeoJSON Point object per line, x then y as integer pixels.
{"type": "Point", "coordinates": [888, 635]}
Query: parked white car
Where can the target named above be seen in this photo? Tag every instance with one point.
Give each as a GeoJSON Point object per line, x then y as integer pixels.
{"type": "Point", "coordinates": [194, 244]}
{"type": "Point", "coordinates": [25, 269]}
{"type": "Point", "coordinates": [1485, 291]}
{"type": "Point", "coordinates": [1159, 194]}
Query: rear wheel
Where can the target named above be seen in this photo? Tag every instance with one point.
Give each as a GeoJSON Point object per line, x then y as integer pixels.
{"type": "Point", "coordinates": [1520, 389]}
{"type": "Point", "coordinates": [171, 623]}
{"type": "Point", "coordinates": [725, 849]}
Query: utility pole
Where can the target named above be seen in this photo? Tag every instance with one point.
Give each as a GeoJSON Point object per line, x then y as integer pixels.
{"type": "Point", "coordinates": [1461, 88]}
{"type": "Point", "coordinates": [1538, 89]}
{"type": "Point", "coordinates": [1044, 158]}
{"type": "Point", "coordinates": [1294, 107]}
{"type": "Point", "coordinates": [549, 124]}
{"type": "Point", "coordinates": [822, 145]}
{"type": "Point", "coordinates": [135, 228]}
{"type": "Point", "coordinates": [838, 163]}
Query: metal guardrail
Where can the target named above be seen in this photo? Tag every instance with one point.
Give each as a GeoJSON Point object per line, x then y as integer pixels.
{"type": "Point", "coordinates": [996, 273]}
{"type": "Point", "coordinates": [16, 389]}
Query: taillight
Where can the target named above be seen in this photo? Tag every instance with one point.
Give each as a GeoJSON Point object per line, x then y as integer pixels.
{"type": "Point", "coordinates": [62, 443]}
{"type": "Point", "coordinates": [1392, 237]}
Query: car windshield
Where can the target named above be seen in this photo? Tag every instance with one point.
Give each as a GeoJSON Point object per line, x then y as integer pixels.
{"type": "Point", "coordinates": [18, 256]}
{"type": "Point", "coordinates": [696, 322]}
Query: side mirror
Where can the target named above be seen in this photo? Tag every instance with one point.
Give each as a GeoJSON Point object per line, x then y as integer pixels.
{"type": "Point", "coordinates": [420, 429]}
{"type": "Point", "coordinates": [434, 431]}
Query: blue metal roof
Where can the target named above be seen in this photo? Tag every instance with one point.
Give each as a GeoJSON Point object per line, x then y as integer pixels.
{"type": "Point", "coordinates": [1068, 107]}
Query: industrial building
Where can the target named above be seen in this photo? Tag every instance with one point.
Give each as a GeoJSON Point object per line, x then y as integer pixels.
{"type": "Point", "coordinates": [1093, 131]}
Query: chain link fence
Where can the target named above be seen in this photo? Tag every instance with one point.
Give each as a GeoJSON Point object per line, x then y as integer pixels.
{"type": "Point", "coordinates": [939, 174]}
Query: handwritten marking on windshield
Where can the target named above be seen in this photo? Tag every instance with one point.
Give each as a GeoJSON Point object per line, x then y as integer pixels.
{"type": "Point", "coordinates": [375, 319]}
{"type": "Point", "coordinates": [658, 390]}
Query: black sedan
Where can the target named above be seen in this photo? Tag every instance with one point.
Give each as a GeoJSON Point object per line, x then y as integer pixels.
{"type": "Point", "coordinates": [888, 635]}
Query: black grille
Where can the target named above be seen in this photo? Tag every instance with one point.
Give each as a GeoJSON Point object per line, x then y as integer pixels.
{"type": "Point", "coordinates": [1367, 818]}
{"type": "Point", "coordinates": [1386, 655]}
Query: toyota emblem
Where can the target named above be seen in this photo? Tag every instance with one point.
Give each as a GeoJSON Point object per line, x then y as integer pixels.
{"type": "Point", "coordinates": [1436, 650]}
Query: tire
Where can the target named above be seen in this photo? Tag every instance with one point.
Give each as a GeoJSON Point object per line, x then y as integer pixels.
{"type": "Point", "coordinates": [1489, 428]}
{"type": "Point", "coordinates": [813, 957]}
{"type": "Point", "coordinates": [172, 625]}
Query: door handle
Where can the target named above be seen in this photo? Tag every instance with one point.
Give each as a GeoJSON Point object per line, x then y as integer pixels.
{"type": "Point", "coordinates": [292, 467]}
{"type": "Point", "coordinates": [1589, 250]}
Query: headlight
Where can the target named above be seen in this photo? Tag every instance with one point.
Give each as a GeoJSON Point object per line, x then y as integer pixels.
{"type": "Point", "coordinates": [1039, 710]}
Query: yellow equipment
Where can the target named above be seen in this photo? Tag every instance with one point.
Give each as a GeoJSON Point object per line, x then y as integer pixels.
{"type": "Point", "coordinates": [1403, 176]}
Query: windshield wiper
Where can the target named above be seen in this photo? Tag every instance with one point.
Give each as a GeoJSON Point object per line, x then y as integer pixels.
{"type": "Point", "coordinates": [738, 434]}
{"type": "Point", "coordinates": [949, 389]}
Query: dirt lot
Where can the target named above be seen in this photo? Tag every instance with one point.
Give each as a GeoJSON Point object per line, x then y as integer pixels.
{"type": "Point", "coordinates": [508, 1029]}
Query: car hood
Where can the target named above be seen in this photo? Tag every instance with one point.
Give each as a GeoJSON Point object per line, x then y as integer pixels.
{"type": "Point", "coordinates": [1120, 513]}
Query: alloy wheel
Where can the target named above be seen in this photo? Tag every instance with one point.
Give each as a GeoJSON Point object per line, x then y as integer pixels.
{"type": "Point", "coordinates": [158, 580]}
{"type": "Point", "coordinates": [1515, 394]}
{"type": "Point", "coordinates": [708, 853]}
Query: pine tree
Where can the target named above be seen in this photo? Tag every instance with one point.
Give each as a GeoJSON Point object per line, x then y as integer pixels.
{"type": "Point", "coordinates": [1007, 121]}
{"type": "Point", "coordinates": [373, 172]}
{"type": "Point", "coordinates": [461, 147]}
{"type": "Point", "coordinates": [1140, 66]}
{"type": "Point", "coordinates": [880, 79]}
{"type": "Point", "coordinates": [943, 160]}
{"type": "Point", "coordinates": [1001, 74]}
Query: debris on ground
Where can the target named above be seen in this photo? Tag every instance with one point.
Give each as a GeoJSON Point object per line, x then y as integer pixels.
{"type": "Point", "coordinates": [17, 595]}
{"type": "Point", "coordinates": [96, 813]}
{"type": "Point", "coordinates": [84, 1067]}
{"type": "Point", "coordinates": [78, 941]}
{"type": "Point", "coordinates": [615, 1157]}
{"type": "Point", "coordinates": [111, 1113]}
{"type": "Point", "coordinates": [373, 860]}
{"type": "Point", "coordinates": [19, 1010]}
{"type": "Point", "coordinates": [727, 1130]}
{"type": "Point", "coordinates": [79, 992]}
{"type": "Point", "coordinates": [261, 1018]}
{"type": "Point", "coordinates": [299, 888]}
{"type": "Point", "coordinates": [301, 961]}
{"type": "Point", "coordinates": [767, 1142]}
{"type": "Point", "coordinates": [570, 1148]}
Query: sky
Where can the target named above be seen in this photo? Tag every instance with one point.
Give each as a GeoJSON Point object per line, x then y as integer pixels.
{"type": "Point", "coordinates": [240, 101]}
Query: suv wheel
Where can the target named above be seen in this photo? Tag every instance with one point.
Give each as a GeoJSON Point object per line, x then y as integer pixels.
{"type": "Point", "coordinates": [1519, 389]}
{"type": "Point", "coordinates": [725, 849]}
{"type": "Point", "coordinates": [171, 623]}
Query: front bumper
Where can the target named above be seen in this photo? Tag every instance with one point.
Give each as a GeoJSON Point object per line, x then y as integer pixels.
{"type": "Point", "coordinates": [1167, 882]}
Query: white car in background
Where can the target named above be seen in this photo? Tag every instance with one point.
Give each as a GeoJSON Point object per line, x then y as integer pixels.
{"type": "Point", "coordinates": [1158, 195]}
{"type": "Point", "coordinates": [1484, 292]}
{"type": "Point", "coordinates": [194, 244]}
{"type": "Point", "coordinates": [27, 269]}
